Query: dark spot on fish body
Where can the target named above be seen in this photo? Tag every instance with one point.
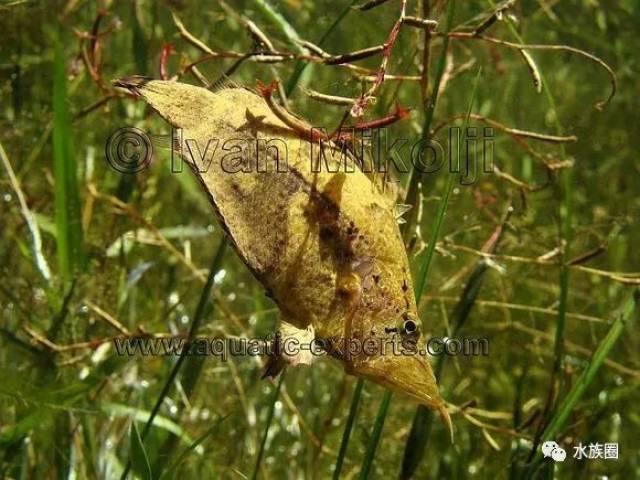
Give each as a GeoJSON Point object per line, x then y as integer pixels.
{"type": "Point", "coordinates": [344, 293]}
{"type": "Point", "coordinates": [326, 233]}
{"type": "Point", "coordinates": [237, 190]}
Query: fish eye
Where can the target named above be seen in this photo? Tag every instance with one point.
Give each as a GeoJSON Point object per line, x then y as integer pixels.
{"type": "Point", "coordinates": [410, 326]}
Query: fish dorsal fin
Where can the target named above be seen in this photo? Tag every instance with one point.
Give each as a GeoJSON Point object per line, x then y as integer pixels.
{"type": "Point", "coordinates": [224, 83]}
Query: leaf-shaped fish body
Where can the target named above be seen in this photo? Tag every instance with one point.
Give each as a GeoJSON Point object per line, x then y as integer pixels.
{"type": "Point", "coordinates": [312, 227]}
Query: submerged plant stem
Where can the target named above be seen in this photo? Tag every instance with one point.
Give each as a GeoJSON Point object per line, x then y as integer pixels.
{"type": "Point", "coordinates": [353, 409]}
{"type": "Point", "coordinates": [370, 454]}
{"type": "Point", "coordinates": [265, 435]}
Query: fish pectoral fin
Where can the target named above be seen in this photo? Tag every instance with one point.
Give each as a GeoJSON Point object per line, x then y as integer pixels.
{"type": "Point", "coordinates": [293, 347]}
{"type": "Point", "coordinates": [275, 364]}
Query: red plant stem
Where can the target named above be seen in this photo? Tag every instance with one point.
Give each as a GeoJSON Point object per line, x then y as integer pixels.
{"type": "Point", "coordinates": [167, 49]}
{"type": "Point", "coordinates": [361, 104]}
{"type": "Point", "coordinates": [399, 114]}
{"type": "Point", "coordinates": [313, 134]}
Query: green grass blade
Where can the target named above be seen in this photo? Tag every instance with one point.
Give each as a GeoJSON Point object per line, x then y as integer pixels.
{"type": "Point", "coordinates": [173, 468]}
{"type": "Point", "coordinates": [139, 415]}
{"type": "Point", "coordinates": [442, 209]}
{"type": "Point", "coordinates": [300, 65]}
{"type": "Point", "coordinates": [372, 446]}
{"type": "Point", "coordinates": [423, 418]}
{"type": "Point", "coordinates": [67, 199]}
{"type": "Point", "coordinates": [30, 218]}
{"type": "Point", "coordinates": [139, 42]}
{"type": "Point", "coordinates": [566, 232]}
{"type": "Point", "coordinates": [281, 23]}
{"type": "Point", "coordinates": [346, 434]}
{"type": "Point", "coordinates": [416, 441]}
{"type": "Point", "coordinates": [272, 409]}
{"type": "Point", "coordinates": [139, 459]}
{"type": "Point", "coordinates": [192, 365]}
{"type": "Point", "coordinates": [627, 316]}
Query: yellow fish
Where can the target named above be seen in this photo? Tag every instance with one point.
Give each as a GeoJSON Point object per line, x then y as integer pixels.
{"type": "Point", "coordinates": [316, 231]}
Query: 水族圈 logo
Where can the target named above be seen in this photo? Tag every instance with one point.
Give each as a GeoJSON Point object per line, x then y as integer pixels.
{"type": "Point", "coordinates": [553, 450]}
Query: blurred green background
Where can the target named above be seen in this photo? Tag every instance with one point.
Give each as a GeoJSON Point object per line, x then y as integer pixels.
{"type": "Point", "coordinates": [130, 252]}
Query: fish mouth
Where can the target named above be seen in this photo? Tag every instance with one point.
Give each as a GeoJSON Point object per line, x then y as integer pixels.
{"type": "Point", "coordinates": [131, 84]}
{"type": "Point", "coordinates": [408, 374]}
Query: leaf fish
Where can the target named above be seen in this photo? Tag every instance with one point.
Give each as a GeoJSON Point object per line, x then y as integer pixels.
{"type": "Point", "coordinates": [324, 242]}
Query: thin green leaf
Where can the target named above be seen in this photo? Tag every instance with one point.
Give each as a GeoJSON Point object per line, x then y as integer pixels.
{"type": "Point", "coordinates": [566, 233]}
{"type": "Point", "coordinates": [140, 415]}
{"type": "Point", "coordinates": [272, 408]}
{"type": "Point", "coordinates": [384, 405]}
{"type": "Point", "coordinates": [140, 44]}
{"type": "Point", "coordinates": [423, 419]}
{"type": "Point", "coordinates": [442, 210]}
{"type": "Point", "coordinates": [355, 400]}
{"type": "Point", "coordinates": [626, 317]}
{"type": "Point", "coordinates": [378, 425]}
{"type": "Point", "coordinates": [139, 459]}
{"type": "Point", "coordinates": [30, 218]}
{"type": "Point", "coordinates": [67, 199]}
{"type": "Point", "coordinates": [173, 468]}
{"type": "Point", "coordinates": [12, 434]}
{"type": "Point", "coordinates": [281, 23]}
